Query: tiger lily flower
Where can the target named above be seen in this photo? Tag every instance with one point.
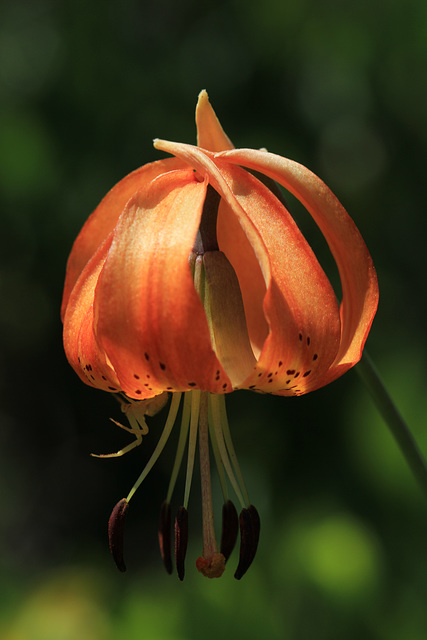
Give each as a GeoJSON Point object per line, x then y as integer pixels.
{"type": "Point", "coordinates": [192, 279]}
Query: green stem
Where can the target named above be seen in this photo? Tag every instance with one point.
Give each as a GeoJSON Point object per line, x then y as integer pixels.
{"type": "Point", "coordinates": [394, 420]}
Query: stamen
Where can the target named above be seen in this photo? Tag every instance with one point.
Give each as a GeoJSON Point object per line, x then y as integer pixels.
{"type": "Point", "coordinates": [165, 535]}
{"type": "Point", "coordinates": [116, 525]}
{"type": "Point", "coordinates": [230, 528]}
{"type": "Point", "coordinates": [212, 564]}
{"type": "Point", "coordinates": [185, 422]}
{"type": "Point", "coordinates": [181, 540]}
{"type": "Point", "coordinates": [249, 536]}
{"type": "Point", "coordinates": [217, 456]}
{"type": "Point", "coordinates": [219, 436]}
{"type": "Point", "coordinates": [230, 447]}
{"type": "Point", "coordinates": [173, 410]}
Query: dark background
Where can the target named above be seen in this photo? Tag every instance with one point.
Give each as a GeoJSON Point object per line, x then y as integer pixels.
{"type": "Point", "coordinates": [84, 88]}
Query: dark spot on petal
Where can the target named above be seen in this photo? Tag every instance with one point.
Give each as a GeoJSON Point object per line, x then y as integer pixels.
{"type": "Point", "coordinates": [169, 388]}
{"type": "Point", "coordinates": [93, 377]}
{"type": "Point", "coordinates": [148, 375]}
{"type": "Point", "coordinates": [225, 385]}
{"type": "Point", "coordinates": [315, 356]}
{"type": "Point", "coordinates": [138, 391]}
{"type": "Point", "coordinates": [290, 372]}
{"type": "Point", "coordinates": [287, 381]}
{"type": "Point", "coordinates": [304, 375]}
{"type": "Point", "coordinates": [308, 340]}
{"type": "Point", "coordinates": [252, 386]}
{"type": "Point", "coordinates": [297, 374]}
{"type": "Point", "coordinates": [136, 376]}
{"type": "Point", "coordinates": [300, 337]}
{"type": "Point", "coordinates": [162, 366]}
{"type": "Point", "coordinates": [280, 363]}
{"type": "Point", "coordinates": [104, 378]}
{"type": "Point", "coordinates": [271, 380]}
{"type": "Point", "coordinates": [269, 375]}
{"type": "Point", "coordinates": [112, 388]}
{"type": "Point", "coordinates": [191, 384]}
{"type": "Point", "coordinates": [259, 375]}
{"type": "Point", "coordinates": [147, 357]}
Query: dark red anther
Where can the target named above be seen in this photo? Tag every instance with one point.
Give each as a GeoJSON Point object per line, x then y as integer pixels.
{"type": "Point", "coordinates": [116, 528]}
{"type": "Point", "coordinates": [181, 540]}
{"type": "Point", "coordinates": [165, 520]}
{"type": "Point", "coordinates": [230, 528]}
{"type": "Point", "coordinates": [249, 536]}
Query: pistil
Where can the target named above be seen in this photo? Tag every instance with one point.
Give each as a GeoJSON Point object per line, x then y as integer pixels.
{"type": "Point", "coordinates": [212, 564]}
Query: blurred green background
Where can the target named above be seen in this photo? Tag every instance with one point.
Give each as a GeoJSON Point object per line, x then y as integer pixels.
{"type": "Point", "coordinates": [84, 88]}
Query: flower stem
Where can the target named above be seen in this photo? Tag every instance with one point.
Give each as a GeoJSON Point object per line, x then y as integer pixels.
{"type": "Point", "coordinates": [394, 420]}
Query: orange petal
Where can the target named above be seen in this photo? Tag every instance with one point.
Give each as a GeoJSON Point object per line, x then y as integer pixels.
{"type": "Point", "coordinates": [234, 243]}
{"type": "Point", "coordinates": [80, 344]}
{"type": "Point", "coordinates": [148, 315]}
{"type": "Point", "coordinates": [210, 134]}
{"type": "Point", "coordinates": [103, 220]}
{"type": "Point", "coordinates": [300, 306]}
{"type": "Point", "coordinates": [227, 317]}
{"type": "Point", "coordinates": [356, 269]}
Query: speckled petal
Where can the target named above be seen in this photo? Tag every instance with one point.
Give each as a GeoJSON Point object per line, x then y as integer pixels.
{"type": "Point", "coordinates": [81, 347]}
{"type": "Point", "coordinates": [357, 272]}
{"type": "Point", "coordinates": [104, 218]}
{"type": "Point", "coordinates": [148, 315]}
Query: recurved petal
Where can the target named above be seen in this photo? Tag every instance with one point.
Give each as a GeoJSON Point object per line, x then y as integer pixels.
{"type": "Point", "coordinates": [210, 134]}
{"type": "Point", "coordinates": [235, 244]}
{"type": "Point", "coordinates": [356, 269]}
{"type": "Point", "coordinates": [80, 344]}
{"type": "Point", "coordinates": [299, 305]}
{"type": "Point", "coordinates": [149, 317]}
{"type": "Point", "coordinates": [103, 219]}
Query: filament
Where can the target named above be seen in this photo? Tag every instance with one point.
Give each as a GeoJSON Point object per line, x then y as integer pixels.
{"type": "Point", "coordinates": [230, 447]}
{"type": "Point", "coordinates": [217, 456]}
{"type": "Point", "coordinates": [217, 425]}
{"type": "Point", "coordinates": [173, 410]}
{"type": "Point", "coordinates": [185, 422]}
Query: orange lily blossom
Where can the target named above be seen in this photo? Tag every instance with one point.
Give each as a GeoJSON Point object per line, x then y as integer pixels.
{"type": "Point", "coordinates": [192, 278]}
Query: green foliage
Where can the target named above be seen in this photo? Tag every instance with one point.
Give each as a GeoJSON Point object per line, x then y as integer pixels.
{"type": "Point", "coordinates": [85, 88]}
